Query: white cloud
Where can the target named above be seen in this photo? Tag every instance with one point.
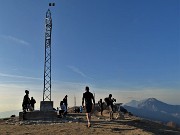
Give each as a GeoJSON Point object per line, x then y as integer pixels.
{"type": "Point", "coordinates": [76, 70]}
{"type": "Point", "coordinates": [18, 76]}
{"type": "Point", "coordinates": [14, 39]}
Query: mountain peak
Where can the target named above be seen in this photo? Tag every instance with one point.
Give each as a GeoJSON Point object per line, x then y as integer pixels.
{"type": "Point", "coordinates": [152, 104]}
{"type": "Point", "coordinates": [151, 99]}
{"type": "Point", "coordinates": [137, 104]}
{"type": "Point", "coordinates": [152, 108]}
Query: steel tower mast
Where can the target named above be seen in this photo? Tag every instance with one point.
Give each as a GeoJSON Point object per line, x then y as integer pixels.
{"type": "Point", "coordinates": [47, 63]}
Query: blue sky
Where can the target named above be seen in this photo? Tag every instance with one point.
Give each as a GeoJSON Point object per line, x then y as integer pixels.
{"type": "Point", "coordinates": [127, 48]}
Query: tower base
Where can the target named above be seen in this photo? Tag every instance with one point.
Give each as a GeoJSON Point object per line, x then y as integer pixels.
{"type": "Point", "coordinates": [46, 106]}
{"type": "Point", "coordinates": [46, 112]}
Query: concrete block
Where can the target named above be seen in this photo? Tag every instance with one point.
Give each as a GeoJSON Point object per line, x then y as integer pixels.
{"type": "Point", "coordinates": [38, 115]}
{"type": "Point", "coordinates": [46, 106]}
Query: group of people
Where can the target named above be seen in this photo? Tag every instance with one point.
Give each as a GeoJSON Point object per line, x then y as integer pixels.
{"type": "Point", "coordinates": [88, 102]}
{"type": "Point", "coordinates": [28, 104]}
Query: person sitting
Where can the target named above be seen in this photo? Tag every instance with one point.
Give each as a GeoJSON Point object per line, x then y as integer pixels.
{"type": "Point", "coordinates": [62, 111]}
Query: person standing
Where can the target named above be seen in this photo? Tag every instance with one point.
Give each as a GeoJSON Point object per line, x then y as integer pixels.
{"type": "Point", "coordinates": [32, 102]}
{"type": "Point", "coordinates": [88, 98]}
{"type": "Point", "coordinates": [26, 101]}
{"type": "Point", "coordinates": [109, 102]}
{"type": "Point", "coordinates": [65, 101]}
{"type": "Point", "coordinates": [100, 103]}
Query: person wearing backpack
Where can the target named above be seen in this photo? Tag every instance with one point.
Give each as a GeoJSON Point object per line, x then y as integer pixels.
{"type": "Point", "coordinates": [109, 101]}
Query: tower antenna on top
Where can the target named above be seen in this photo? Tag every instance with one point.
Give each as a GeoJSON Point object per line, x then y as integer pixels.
{"type": "Point", "coordinates": [51, 4]}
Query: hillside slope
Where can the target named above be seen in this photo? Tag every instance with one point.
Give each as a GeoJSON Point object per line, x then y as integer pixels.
{"type": "Point", "coordinates": [154, 109]}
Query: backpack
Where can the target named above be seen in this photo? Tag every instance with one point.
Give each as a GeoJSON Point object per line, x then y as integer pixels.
{"type": "Point", "coordinates": [107, 101]}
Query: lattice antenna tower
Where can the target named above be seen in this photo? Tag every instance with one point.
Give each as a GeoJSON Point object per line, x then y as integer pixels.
{"type": "Point", "coordinates": [47, 62]}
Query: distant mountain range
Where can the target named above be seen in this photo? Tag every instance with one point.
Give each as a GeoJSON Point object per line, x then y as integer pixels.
{"type": "Point", "coordinates": [154, 109]}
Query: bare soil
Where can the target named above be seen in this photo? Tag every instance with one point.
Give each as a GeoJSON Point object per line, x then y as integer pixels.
{"type": "Point", "coordinates": [76, 124]}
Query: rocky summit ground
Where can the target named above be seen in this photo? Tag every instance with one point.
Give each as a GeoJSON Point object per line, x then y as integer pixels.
{"type": "Point", "coordinates": [75, 124]}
